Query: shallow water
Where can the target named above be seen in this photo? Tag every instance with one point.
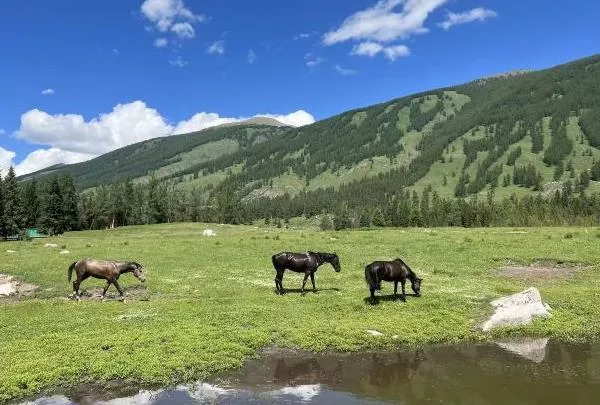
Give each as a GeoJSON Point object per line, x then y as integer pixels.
{"type": "Point", "coordinates": [514, 372]}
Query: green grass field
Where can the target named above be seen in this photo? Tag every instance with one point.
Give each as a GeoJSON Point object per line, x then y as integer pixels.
{"type": "Point", "coordinates": [209, 303]}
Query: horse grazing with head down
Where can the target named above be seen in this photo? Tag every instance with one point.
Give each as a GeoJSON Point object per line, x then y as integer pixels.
{"type": "Point", "coordinates": [306, 263]}
{"type": "Point", "coordinates": [102, 269]}
{"type": "Point", "coordinates": [395, 270]}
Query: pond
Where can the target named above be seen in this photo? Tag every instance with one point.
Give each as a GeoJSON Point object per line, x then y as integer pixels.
{"type": "Point", "coordinates": [529, 371]}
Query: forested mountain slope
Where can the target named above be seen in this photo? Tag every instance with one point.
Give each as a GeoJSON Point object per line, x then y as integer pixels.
{"type": "Point", "coordinates": [515, 133]}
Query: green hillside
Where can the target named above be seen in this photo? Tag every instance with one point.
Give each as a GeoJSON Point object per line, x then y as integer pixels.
{"type": "Point", "coordinates": [524, 133]}
{"type": "Point", "coordinates": [164, 156]}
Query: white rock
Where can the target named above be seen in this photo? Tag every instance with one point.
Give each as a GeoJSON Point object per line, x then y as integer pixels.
{"type": "Point", "coordinates": [7, 289]}
{"type": "Point", "coordinates": [209, 232]}
{"type": "Point", "coordinates": [64, 252]}
{"type": "Point", "coordinates": [374, 332]}
{"type": "Point", "coordinates": [11, 251]}
{"type": "Point", "coordinates": [517, 309]}
{"type": "Point", "coordinates": [533, 349]}
{"type": "Point", "coordinates": [51, 245]}
{"type": "Point", "coordinates": [332, 239]}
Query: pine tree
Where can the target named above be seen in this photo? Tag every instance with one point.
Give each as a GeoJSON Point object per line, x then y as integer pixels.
{"type": "Point", "coordinates": [13, 218]}
{"type": "Point", "coordinates": [30, 202]}
{"type": "Point", "coordinates": [378, 218]}
{"type": "Point", "coordinates": [2, 224]}
{"type": "Point", "coordinates": [326, 223]}
{"type": "Point", "coordinates": [52, 212]}
{"type": "Point", "coordinates": [157, 204]}
{"type": "Point", "coordinates": [70, 202]}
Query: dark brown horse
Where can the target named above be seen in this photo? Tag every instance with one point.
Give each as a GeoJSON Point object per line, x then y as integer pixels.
{"type": "Point", "coordinates": [107, 270]}
{"type": "Point", "coordinates": [395, 270]}
{"type": "Point", "coordinates": [306, 263]}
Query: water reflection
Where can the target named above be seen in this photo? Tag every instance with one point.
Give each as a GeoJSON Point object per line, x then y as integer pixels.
{"type": "Point", "coordinates": [521, 372]}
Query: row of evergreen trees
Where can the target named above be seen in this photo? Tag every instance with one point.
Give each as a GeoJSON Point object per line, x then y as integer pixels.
{"type": "Point", "coordinates": [51, 206]}
{"type": "Point", "coordinates": [54, 206]}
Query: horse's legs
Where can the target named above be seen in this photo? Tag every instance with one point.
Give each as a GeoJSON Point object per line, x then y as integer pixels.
{"type": "Point", "coordinates": [304, 282]}
{"type": "Point", "coordinates": [312, 279]}
{"type": "Point", "coordinates": [396, 289]}
{"type": "Point", "coordinates": [403, 281]}
{"type": "Point", "coordinates": [279, 281]}
{"type": "Point", "coordinates": [118, 288]}
{"type": "Point", "coordinates": [373, 299]}
{"type": "Point", "coordinates": [105, 289]}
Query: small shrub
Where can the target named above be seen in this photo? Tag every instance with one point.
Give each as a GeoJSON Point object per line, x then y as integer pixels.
{"type": "Point", "coordinates": [569, 235]}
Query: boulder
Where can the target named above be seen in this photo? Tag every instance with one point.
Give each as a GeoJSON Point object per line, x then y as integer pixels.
{"type": "Point", "coordinates": [374, 332]}
{"type": "Point", "coordinates": [7, 289]}
{"type": "Point", "coordinates": [209, 232]}
{"type": "Point", "coordinates": [517, 309]}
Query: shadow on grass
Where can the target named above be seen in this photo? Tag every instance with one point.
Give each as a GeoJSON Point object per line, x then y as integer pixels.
{"type": "Point", "coordinates": [387, 298]}
{"type": "Point", "coordinates": [307, 291]}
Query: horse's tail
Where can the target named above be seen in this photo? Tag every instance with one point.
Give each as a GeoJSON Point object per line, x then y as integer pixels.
{"type": "Point", "coordinates": [70, 271]}
{"type": "Point", "coordinates": [371, 277]}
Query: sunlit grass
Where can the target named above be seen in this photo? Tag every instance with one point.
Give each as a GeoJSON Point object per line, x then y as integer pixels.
{"type": "Point", "coordinates": [210, 301]}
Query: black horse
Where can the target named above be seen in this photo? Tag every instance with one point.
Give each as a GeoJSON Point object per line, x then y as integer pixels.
{"type": "Point", "coordinates": [306, 263]}
{"type": "Point", "coordinates": [395, 270]}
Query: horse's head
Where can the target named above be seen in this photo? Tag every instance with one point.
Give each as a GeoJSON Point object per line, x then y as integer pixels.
{"type": "Point", "coordinates": [138, 271]}
{"type": "Point", "coordinates": [335, 262]}
{"type": "Point", "coordinates": [416, 285]}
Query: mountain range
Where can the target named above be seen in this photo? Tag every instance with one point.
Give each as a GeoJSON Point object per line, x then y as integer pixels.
{"type": "Point", "coordinates": [517, 133]}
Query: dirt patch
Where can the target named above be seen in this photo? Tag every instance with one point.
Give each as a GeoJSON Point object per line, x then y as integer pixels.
{"type": "Point", "coordinates": [542, 270]}
{"type": "Point", "coordinates": [11, 288]}
{"type": "Point", "coordinates": [138, 292]}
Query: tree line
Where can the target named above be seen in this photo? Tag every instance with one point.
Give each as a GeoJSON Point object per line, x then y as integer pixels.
{"type": "Point", "coordinates": [51, 205]}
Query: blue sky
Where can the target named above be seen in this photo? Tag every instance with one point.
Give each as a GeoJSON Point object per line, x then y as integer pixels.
{"type": "Point", "coordinates": [80, 78]}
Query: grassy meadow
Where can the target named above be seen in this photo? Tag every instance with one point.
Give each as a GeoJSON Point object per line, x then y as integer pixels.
{"type": "Point", "coordinates": [209, 302]}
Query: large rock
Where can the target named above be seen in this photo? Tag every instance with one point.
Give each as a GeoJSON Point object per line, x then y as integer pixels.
{"type": "Point", "coordinates": [7, 289]}
{"type": "Point", "coordinates": [517, 309]}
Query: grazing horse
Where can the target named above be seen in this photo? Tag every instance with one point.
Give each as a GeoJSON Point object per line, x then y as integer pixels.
{"type": "Point", "coordinates": [306, 263]}
{"type": "Point", "coordinates": [107, 270]}
{"type": "Point", "coordinates": [395, 270]}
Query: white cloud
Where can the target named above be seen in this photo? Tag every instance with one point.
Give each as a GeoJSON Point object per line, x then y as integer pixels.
{"type": "Point", "coordinates": [165, 13]}
{"type": "Point", "coordinates": [42, 158]}
{"type": "Point", "coordinates": [184, 30]}
{"type": "Point", "coordinates": [125, 124]}
{"type": "Point", "coordinates": [115, 51]}
{"type": "Point", "coordinates": [299, 118]}
{"type": "Point", "coordinates": [314, 62]}
{"type": "Point", "coordinates": [160, 42]}
{"type": "Point", "coordinates": [69, 138]}
{"type": "Point", "coordinates": [6, 159]}
{"type": "Point", "coordinates": [372, 49]}
{"type": "Point", "coordinates": [345, 72]}
{"type": "Point", "coordinates": [205, 120]}
{"type": "Point", "coordinates": [476, 14]}
{"type": "Point", "coordinates": [251, 56]}
{"type": "Point", "coordinates": [382, 23]}
{"type": "Point", "coordinates": [47, 92]}
{"type": "Point", "coordinates": [2, 131]}
{"type": "Point", "coordinates": [217, 47]}
{"type": "Point", "coordinates": [367, 49]}
{"type": "Point", "coordinates": [396, 51]}
{"type": "Point", "coordinates": [178, 61]}
{"type": "Point", "coordinates": [302, 35]}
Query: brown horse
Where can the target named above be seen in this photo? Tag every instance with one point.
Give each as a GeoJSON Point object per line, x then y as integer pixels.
{"type": "Point", "coordinates": [107, 270]}
{"type": "Point", "coordinates": [395, 270]}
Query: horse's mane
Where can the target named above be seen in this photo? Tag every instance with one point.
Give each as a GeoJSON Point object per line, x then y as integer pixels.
{"type": "Point", "coordinates": [411, 273]}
